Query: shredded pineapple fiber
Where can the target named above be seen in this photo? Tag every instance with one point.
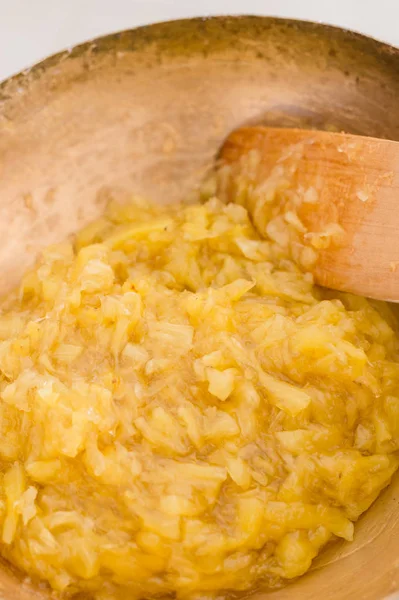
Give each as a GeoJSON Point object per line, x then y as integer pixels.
{"type": "Point", "coordinates": [183, 412]}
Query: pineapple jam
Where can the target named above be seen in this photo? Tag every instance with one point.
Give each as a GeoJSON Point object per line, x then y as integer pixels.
{"type": "Point", "coordinates": [182, 411]}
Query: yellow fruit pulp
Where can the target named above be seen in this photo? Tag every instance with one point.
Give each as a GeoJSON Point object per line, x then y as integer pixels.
{"type": "Point", "coordinates": [183, 412]}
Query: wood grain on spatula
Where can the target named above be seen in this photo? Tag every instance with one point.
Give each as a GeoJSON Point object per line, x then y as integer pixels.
{"type": "Point", "coordinates": [356, 180]}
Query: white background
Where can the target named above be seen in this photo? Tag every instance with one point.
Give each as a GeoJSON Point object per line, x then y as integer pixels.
{"type": "Point", "coordinates": [33, 29]}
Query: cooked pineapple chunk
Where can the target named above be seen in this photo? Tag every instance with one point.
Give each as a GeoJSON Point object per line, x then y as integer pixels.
{"type": "Point", "coordinates": [285, 396]}
{"type": "Point", "coordinates": [221, 383]}
{"type": "Point", "coordinates": [295, 554]}
{"type": "Point", "coordinates": [14, 483]}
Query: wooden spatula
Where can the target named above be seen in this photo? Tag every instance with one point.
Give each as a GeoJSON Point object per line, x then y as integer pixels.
{"type": "Point", "coordinates": [340, 184]}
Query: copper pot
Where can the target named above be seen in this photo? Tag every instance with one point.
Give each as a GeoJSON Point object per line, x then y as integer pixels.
{"type": "Point", "coordinates": [146, 111]}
